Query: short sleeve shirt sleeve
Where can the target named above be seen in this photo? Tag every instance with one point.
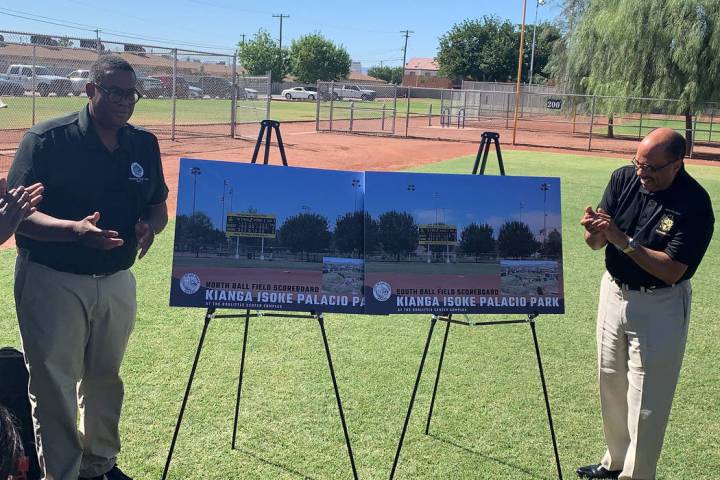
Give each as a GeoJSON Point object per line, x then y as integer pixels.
{"type": "Point", "coordinates": [609, 201]}
{"type": "Point", "coordinates": [26, 165]}
{"type": "Point", "coordinates": [692, 237]}
{"type": "Point", "coordinates": [160, 190]}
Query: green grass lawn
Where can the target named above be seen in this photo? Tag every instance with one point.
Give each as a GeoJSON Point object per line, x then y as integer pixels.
{"type": "Point", "coordinates": [151, 111]}
{"type": "Point", "coordinates": [705, 131]}
{"type": "Point", "coordinates": [489, 420]}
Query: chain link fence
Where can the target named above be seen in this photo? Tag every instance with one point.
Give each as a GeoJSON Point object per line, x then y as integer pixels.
{"type": "Point", "coordinates": [186, 94]}
{"type": "Point", "coordinates": [546, 118]}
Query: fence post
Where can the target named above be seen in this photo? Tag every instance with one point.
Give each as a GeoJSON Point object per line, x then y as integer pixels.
{"type": "Point", "coordinates": [395, 94]}
{"type": "Point", "coordinates": [694, 135]}
{"type": "Point", "coordinates": [640, 126]}
{"type": "Point", "coordinates": [174, 96]}
{"type": "Point", "coordinates": [712, 114]}
{"type": "Point", "coordinates": [382, 124]}
{"type": "Point", "coordinates": [317, 106]}
{"type": "Point", "coordinates": [574, 113]}
{"type": "Point", "coordinates": [442, 104]}
{"type": "Point", "coordinates": [332, 103]}
{"type": "Point", "coordinates": [407, 112]}
{"type": "Point", "coordinates": [507, 112]}
{"type": "Point", "coordinates": [268, 94]}
{"type": "Point", "coordinates": [464, 95]}
{"type": "Point", "coordinates": [430, 116]}
{"type": "Point", "coordinates": [352, 114]}
{"type": "Point", "coordinates": [592, 120]}
{"type": "Point", "coordinates": [233, 98]}
{"type": "Point", "coordinates": [33, 85]}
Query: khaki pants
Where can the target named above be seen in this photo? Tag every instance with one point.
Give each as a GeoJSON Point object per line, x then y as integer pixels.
{"type": "Point", "coordinates": [74, 331]}
{"type": "Point", "coordinates": [641, 342]}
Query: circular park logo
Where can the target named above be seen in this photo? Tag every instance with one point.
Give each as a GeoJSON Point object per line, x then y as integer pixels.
{"type": "Point", "coordinates": [137, 170]}
{"type": "Point", "coordinates": [382, 291]}
{"type": "Point", "coordinates": [190, 283]}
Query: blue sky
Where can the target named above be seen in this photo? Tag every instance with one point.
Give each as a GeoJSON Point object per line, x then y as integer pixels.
{"type": "Point", "coordinates": [369, 29]}
{"type": "Point", "coordinates": [463, 199]}
{"type": "Point", "coordinates": [286, 191]}
{"type": "Point", "coordinates": [269, 189]}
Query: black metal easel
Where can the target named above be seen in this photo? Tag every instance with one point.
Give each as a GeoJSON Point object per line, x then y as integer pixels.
{"type": "Point", "coordinates": [266, 128]}
{"type": "Point", "coordinates": [210, 314]}
{"type": "Point", "coordinates": [483, 151]}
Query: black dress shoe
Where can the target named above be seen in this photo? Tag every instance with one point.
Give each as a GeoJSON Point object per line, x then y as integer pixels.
{"type": "Point", "coordinates": [597, 471]}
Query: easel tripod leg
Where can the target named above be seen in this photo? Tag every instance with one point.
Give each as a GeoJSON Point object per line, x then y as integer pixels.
{"type": "Point", "coordinates": [547, 401]}
{"type": "Point", "coordinates": [437, 378]}
{"type": "Point", "coordinates": [240, 379]}
{"type": "Point", "coordinates": [321, 321]}
{"type": "Point", "coordinates": [208, 317]}
{"type": "Point", "coordinates": [433, 321]}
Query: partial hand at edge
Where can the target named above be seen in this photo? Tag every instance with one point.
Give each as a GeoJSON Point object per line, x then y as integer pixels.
{"type": "Point", "coordinates": [145, 235]}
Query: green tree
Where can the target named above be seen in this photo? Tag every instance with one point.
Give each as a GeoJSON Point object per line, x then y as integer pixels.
{"type": "Point", "coordinates": [553, 245]}
{"type": "Point", "coordinates": [516, 240]}
{"type": "Point", "coordinates": [389, 74]}
{"type": "Point", "coordinates": [545, 37]}
{"type": "Point", "coordinates": [483, 50]}
{"type": "Point", "coordinates": [305, 232]}
{"type": "Point", "coordinates": [262, 54]}
{"type": "Point", "coordinates": [653, 48]}
{"type": "Point", "coordinates": [398, 233]}
{"type": "Point", "coordinates": [313, 58]}
{"type": "Point", "coordinates": [477, 239]}
{"type": "Point", "coordinates": [356, 232]}
{"type": "Point", "coordinates": [195, 232]}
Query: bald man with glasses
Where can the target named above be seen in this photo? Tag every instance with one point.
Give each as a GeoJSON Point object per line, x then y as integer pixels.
{"type": "Point", "coordinates": [655, 222]}
{"type": "Point", "coordinates": [104, 202]}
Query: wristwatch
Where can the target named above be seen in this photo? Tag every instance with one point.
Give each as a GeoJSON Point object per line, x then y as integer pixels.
{"type": "Point", "coordinates": [631, 246]}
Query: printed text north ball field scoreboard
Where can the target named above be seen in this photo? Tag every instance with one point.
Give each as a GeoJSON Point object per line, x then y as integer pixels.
{"type": "Point", "coordinates": [255, 225]}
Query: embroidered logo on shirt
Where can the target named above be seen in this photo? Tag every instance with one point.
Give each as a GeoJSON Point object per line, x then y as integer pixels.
{"type": "Point", "coordinates": [137, 172]}
{"type": "Point", "coordinates": [666, 224]}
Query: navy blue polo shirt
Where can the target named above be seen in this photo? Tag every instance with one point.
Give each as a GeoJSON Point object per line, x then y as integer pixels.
{"type": "Point", "coordinates": [678, 221]}
{"type": "Point", "coordinates": [82, 176]}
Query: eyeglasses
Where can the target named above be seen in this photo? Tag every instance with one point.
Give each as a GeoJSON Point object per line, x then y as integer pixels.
{"type": "Point", "coordinates": [117, 95]}
{"type": "Point", "coordinates": [649, 168]}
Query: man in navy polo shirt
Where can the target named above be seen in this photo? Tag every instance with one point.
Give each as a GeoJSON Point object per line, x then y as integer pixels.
{"type": "Point", "coordinates": [655, 222]}
{"type": "Point", "coordinates": [104, 201]}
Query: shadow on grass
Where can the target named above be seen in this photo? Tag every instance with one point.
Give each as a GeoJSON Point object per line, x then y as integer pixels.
{"type": "Point", "coordinates": [271, 463]}
{"type": "Point", "coordinates": [451, 442]}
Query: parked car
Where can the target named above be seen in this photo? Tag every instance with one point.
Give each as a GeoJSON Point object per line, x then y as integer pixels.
{"type": "Point", "coordinates": [248, 94]}
{"type": "Point", "coordinates": [78, 79]}
{"type": "Point", "coordinates": [9, 87]}
{"type": "Point", "coordinates": [182, 89]}
{"type": "Point", "coordinates": [309, 93]}
{"type": "Point", "coordinates": [44, 81]}
{"type": "Point", "coordinates": [215, 87]}
{"type": "Point", "coordinates": [195, 92]}
{"type": "Point", "coordinates": [150, 87]}
{"type": "Point", "coordinates": [352, 92]}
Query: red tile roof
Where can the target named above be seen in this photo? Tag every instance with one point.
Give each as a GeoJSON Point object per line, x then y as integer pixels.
{"type": "Point", "coordinates": [422, 63]}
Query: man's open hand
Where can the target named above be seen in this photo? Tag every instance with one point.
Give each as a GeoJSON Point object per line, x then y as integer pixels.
{"type": "Point", "coordinates": [89, 235]}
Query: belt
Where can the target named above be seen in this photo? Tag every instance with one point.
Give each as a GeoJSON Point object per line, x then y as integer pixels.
{"type": "Point", "coordinates": [639, 288]}
{"type": "Point", "coordinates": [29, 257]}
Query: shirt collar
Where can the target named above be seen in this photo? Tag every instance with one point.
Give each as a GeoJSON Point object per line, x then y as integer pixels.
{"type": "Point", "coordinates": [90, 136]}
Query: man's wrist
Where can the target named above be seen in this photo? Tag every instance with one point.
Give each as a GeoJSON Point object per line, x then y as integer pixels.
{"type": "Point", "coordinates": [630, 246]}
{"type": "Point", "coordinates": [149, 224]}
